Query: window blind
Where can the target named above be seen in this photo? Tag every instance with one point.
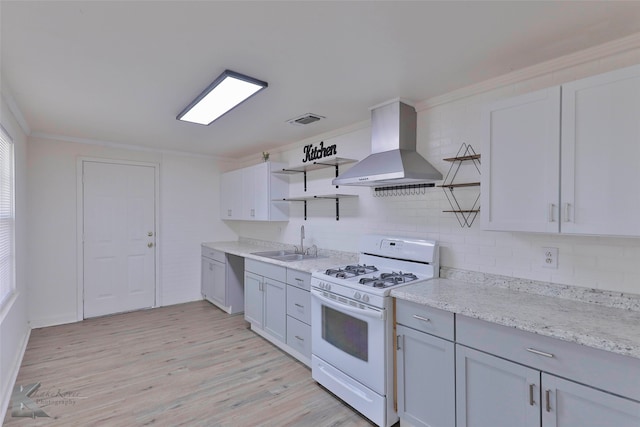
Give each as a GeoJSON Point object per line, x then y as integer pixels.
{"type": "Point", "coordinates": [7, 218]}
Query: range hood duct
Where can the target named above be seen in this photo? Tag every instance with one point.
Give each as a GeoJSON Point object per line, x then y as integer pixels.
{"type": "Point", "coordinates": [394, 159]}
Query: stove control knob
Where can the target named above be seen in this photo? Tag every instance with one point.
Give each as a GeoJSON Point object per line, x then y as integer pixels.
{"type": "Point", "coordinates": [357, 295]}
{"type": "Point", "coordinates": [327, 286]}
{"type": "Point", "coordinates": [365, 298]}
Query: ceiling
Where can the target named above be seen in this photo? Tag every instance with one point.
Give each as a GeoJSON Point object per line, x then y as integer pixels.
{"type": "Point", "coordinates": [121, 71]}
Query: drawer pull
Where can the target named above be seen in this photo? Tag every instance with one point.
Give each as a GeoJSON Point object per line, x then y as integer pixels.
{"type": "Point", "coordinates": [297, 279]}
{"type": "Point", "coordinates": [532, 401]}
{"type": "Point", "coordinates": [424, 319]}
{"type": "Point", "coordinates": [299, 338]}
{"type": "Point", "coordinates": [539, 353]}
{"type": "Point", "coordinates": [547, 397]}
{"type": "Point", "coordinates": [299, 305]}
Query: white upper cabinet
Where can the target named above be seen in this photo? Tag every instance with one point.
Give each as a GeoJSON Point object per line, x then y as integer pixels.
{"type": "Point", "coordinates": [521, 163]}
{"type": "Point", "coordinates": [251, 194]}
{"type": "Point", "coordinates": [601, 154]}
{"type": "Point", "coordinates": [230, 197]}
{"type": "Point", "coordinates": [565, 159]}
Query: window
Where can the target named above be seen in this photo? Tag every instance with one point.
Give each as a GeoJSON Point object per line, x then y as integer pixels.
{"type": "Point", "coordinates": [7, 218]}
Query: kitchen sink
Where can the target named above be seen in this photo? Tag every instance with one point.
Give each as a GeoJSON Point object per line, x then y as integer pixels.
{"type": "Point", "coordinates": [286, 256]}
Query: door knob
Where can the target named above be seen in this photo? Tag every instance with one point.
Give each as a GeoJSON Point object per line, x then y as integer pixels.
{"type": "Point", "coordinates": [150, 234]}
{"type": "Point", "coordinates": [149, 245]}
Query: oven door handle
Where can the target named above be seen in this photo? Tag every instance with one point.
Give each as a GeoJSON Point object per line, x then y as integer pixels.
{"type": "Point", "coordinates": [375, 314]}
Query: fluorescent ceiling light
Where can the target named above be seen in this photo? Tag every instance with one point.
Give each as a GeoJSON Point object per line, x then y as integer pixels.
{"type": "Point", "coordinates": [223, 95]}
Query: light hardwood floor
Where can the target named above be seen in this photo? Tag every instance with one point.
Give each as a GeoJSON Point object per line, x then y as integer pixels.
{"type": "Point", "coordinates": [183, 365]}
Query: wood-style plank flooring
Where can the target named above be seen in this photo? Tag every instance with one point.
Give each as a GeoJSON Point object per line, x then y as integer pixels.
{"type": "Point", "coordinates": [183, 365]}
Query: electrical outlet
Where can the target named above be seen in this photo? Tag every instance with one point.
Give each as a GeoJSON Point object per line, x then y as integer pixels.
{"type": "Point", "coordinates": [550, 257]}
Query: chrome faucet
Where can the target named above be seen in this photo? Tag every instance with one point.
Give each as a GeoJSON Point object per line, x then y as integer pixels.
{"type": "Point", "coordinates": [302, 239]}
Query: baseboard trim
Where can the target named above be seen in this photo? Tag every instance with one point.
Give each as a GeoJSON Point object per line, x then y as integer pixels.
{"type": "Point", "coordinates": [6, 397]}
{"type": "Point", "coordinates": [53, 321]}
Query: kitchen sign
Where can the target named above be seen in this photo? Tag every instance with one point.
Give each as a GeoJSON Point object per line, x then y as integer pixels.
{"type": "Point", "coordinates": [316, 153]}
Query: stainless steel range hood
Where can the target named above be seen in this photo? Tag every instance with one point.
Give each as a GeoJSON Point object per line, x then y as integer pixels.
{"type": "Point", "coordinates": [393, 159]}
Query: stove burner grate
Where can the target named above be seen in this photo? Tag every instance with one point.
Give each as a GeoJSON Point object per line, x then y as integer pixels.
{"type": "Point", "coordinates": [388, 279]}
{"type": "Point", "coordinates": [350, 271]}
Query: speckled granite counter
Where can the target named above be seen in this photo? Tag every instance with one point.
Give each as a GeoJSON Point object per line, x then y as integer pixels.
{"type": "Point", "coordinates": [594, 325]}
{"type": "Point", "coordinates": [246, 247]}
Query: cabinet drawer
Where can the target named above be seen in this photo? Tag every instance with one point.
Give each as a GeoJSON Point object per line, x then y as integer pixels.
{"type": "Point", "coordinates": [213, 254]}
{"type": "Point", "coordinates": [275, 272]}
{"type": "Point", "coordinates": [601, 369]}
{"type": "Point", "coordinates": [299, 336]}
{"type": "Point", "coordinates": [299, 304]}
{"type": "Point", "coordinates": [299, 278]}
{"type": "Point", "coordinates": [426, 319]}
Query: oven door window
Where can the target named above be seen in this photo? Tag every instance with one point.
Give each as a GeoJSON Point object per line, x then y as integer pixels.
{"type": "Point", "coordinates": [346, 333]}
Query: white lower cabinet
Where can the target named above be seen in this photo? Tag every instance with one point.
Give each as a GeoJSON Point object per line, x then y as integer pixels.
{"type": "Point", "coordinates": [426, 374]}
{"type": "Point", "coordinates": [299, 315]}
{"type": "Point", "coordinates": [253, 299]}
{"type": "Point", "coordinates": [277, 304]}
{"type": "Point", "coordinates": [568, 404]}
{"type": "Point", "coordinates": [275, 308]}
{"type": "Point", "coordinates": [488, 375]}
{"type": "Point", "coordinates": [531, 380]}
{"type": "Point", "coordinates": [299, 337]}
{"type": "Point", "coordinates": [222, 280]}
{"type": "Point", "coordinates": [425, 365]}
{"type": "Point", "coordinates": [265, 298]}
{"type": "Point", "coordinates": [495, 392]}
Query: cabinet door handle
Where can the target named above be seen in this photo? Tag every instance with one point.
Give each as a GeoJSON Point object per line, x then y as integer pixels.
{"type": "Point", "coordinates": [550, 217]}
{"type": "Point", "coordinates": [297, 279]}
{"type": "Point", "coordinates": [398, 345]}
{"type": "Point", "coordinates": [299, 338]}
{"type": "Point", "coordinates": [566, 212]}
{"type": "Point", "coordinates": [532, 401]}
{"type": "Point", "coordinates": [424, 319]}
{"type": "Point", "coordinates": [547, 397]}
{"type": "Point", "coordinates": [299, 305]}
{"type": "Point", "coordinates": [539, 353]}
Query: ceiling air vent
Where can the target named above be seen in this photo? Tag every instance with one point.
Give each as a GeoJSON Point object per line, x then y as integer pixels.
{"type": "Point", "coordinates": [305, 119]}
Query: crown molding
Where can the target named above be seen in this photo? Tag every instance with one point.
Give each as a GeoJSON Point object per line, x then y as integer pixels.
{"type": "Point", "coordinates": [553, 65]}
{"type": "Point", "coordinates": [118, 145]}
{"type": "Point", "coordinates": [15, 110]}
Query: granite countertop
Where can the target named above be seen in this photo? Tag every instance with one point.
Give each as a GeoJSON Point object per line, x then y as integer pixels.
{"type": "Point", "coordinates": [594, 325]}
{"type": "Point", "coordinates": [245, 248]}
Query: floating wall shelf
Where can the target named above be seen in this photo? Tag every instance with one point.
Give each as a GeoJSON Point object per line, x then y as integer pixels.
{"type": "Point", "coordinates": [305, 199]}
{"type": "Point", "coordinates": [318, 164]}
{"type": "Point", "coordinates": [465, 217]}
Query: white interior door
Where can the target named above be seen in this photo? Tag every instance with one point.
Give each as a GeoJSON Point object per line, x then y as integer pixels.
{"type": "Point", "coordinates": [119, 237]}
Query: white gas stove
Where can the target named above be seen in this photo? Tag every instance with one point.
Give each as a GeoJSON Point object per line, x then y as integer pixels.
{"type": "Point", "coordinates": [352, 323]}
{"type": "Point", "coordinates": [384, 263]}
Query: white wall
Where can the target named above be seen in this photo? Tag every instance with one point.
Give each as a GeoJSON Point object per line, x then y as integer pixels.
{"type": "Point", "coordinates": [188, 216]}
{"type": "Point", "coordinates": [14, 327]}
{"type": "Point", "coordinates": [596, 262]}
